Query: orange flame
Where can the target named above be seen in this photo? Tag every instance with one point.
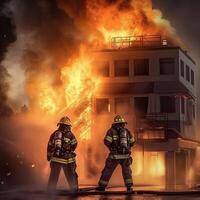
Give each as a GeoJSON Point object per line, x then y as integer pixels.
{"type": "Point", "coordinates": [105, 19]}
{"type": "Point", "coordinates": [78, 87]}
{"type": "Point", "coordinates": [101, 21]}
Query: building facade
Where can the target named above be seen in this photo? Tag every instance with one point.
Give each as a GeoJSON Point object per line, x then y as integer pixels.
{"type": "Point", "coordinates": [153, 86]}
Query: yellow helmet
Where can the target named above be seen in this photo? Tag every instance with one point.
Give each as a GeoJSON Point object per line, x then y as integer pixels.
{"type": "Point", "coordinates": [65, 120]}
{"type": "Point", "coordinates": [119, 120]}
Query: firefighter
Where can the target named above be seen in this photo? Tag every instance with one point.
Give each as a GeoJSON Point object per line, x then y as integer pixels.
{"type": "Point", "coordinates": [119, 141]}
{"type": "Point", "coordinates": [60, 153]}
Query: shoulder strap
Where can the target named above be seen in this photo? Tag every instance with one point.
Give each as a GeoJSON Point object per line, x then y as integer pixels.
{"type": "Point", "coordinates": [114, 131]}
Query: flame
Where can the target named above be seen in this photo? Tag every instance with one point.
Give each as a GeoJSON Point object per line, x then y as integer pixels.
{"type": "Point", "coordinates": [101, 21]}
{"type": "Point", "coordinates": [69, 91]}
{"type": "Point", "coordinates": [124, 19]}
{"type": "Point", "coordinates": [157, 167]}
{"type": "Point", "coordinates": [76, 91]}
{"type": "Point", "coordinates": [79, 87]}
{"type": "Point", "coordinates": [48, 100]}
{"type": "Point", "coordinates": [104, 19]}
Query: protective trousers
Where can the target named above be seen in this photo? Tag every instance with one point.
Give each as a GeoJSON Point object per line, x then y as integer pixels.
{"type": "Point", "coordinates": [70, 174]}
{"type": "Point", "coordinates": [109, 168]}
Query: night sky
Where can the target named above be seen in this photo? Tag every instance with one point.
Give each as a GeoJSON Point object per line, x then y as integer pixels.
{"type": "Point", "coordinates": [184, 16]}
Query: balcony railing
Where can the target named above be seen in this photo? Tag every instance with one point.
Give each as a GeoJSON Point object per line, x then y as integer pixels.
{"type": "Point", "coordinates": [152, 126]}
{"type": "Point", "coordinates": [137, 41]}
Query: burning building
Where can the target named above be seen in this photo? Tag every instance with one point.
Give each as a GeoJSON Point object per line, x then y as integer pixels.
{"type": "Point", "coordinates": [153, 85]}
{"type": "Point", "coordinates": [150, 80]}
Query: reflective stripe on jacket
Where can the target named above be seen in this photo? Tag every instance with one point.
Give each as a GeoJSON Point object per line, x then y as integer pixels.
{"type": "Point", "coordinates": [63, 161]}
{"type": "Point", "coordinates": [119, 156]}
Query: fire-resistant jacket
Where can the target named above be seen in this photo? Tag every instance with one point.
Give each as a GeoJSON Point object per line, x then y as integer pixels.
{"type": "Point", "coordinates": [112, 141]}
{"type": "Point", "coordinates": [61, 146]}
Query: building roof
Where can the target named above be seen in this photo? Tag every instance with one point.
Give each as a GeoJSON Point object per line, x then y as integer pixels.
{"type": "Point", "coordinates": [148, 48]}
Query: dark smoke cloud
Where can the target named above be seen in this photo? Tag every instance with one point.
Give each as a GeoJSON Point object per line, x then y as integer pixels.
{"type": "Point", "coordinates": [52, 36]}
{"type": "Point", "coordinates": [7, 36]}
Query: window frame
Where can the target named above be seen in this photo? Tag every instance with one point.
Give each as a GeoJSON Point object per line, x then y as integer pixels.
{"type": "Point", "coordinates": [182, 68]}
{"type": "Point", "coordinates": [121, 98]}
{"type": "Point", "coordinates": [166, 109]}
{"type": "Point", "coordinates": [187, 73]}
{"type": "Point", "coordinates": [161, 60]}
{"type": "Point", "coordinates": [192, 77]}
{"type": "Point", "coordinates": [139, 65]}
{"type": "Point", "coordinates": [102, 110]}
{"type": "Point", "coordinates": [101, 67]}
{"type": "Point", "coordinates": [138, 113]}
{"type": "Point", "coordinates": [117, 74]}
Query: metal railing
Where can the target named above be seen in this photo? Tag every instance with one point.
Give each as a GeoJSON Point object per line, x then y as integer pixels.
{"type": "Point", "coordinates": [152, 122]}
{"type": "Point", "coordinates": [137, 41]}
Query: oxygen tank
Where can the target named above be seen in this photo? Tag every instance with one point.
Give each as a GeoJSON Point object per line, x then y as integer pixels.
{"type": "Point", "coordinates": [123, 140]}
{"type": "Point", "coordinates": [58, 144]}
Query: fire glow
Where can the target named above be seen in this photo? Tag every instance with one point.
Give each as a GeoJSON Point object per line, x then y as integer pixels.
{"type": "Point", "coordinates": [101, 22]}
{"type": "Point", "coordinates": [69, 86]}
{"type": "Point", "coordinates": [78, 87]}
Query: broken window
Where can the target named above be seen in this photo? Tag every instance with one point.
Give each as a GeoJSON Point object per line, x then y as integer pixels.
{"type": "Point", "coordinates": [187, 73]}
{"type": "Point", "coordinates": [102, 68]}
{"type": "Point", "coordinates": [167, 66]}
{"type": "Point", "coordinates": [182, 105]}
{"type": "Point", "coordinates": [167, 104]}
{"type": "Point", "coordinates": [141, 106]}
{"type": "Point", "coordinates": [192, 77]}
{"type": "Point", "coordinates": [122, 105]}
{"type": "Point", "coordinates": [121, 68]}
{"type": "Point", "coordinates": [102, 105]}
{"type": "Point", "coordinates": [182, 69]}
{"type": "Point", "coordinates": [141, 67]}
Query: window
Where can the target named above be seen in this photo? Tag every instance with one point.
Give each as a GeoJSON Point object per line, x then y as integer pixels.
{"type": "Point", "coordinates": [141, 105]}
{"type": "Point", "coordinates": [122, 105]}
{"type": "Point", "coordinates": [182, 69]}
{"type": "Point", "coordinates": [192, 77]}
{"type": "Point", "coordinates": [182, 105]}
{"type": "Point", "coordinates": [167, 66]}
{"type": "Point", "coordinates": [121, 68]}
{"type": "Point", "coordinates": [194, 111]}
{"type": "Point", "coordinates": [187, 73]}
{"type": "Point", "coordinates": [141, 67]}
{"type": "Point", "coordinates": [167, 104]}
{"type": "Point", "coordinates": [102, 105]}
{"type": "Point", "coordinates": [102, 68]}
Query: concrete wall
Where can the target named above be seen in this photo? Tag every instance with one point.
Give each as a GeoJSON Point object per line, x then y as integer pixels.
{"type": "Point", "coordinates": [166, 82]}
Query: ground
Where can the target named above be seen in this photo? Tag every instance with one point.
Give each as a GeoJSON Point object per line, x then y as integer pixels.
{"type": "Point", "coordinates": [110, 195]}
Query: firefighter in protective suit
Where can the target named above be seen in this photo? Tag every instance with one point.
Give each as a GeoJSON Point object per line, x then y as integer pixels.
{"type": "Point", "coordinates": [60, 153]}
{"type": "Point", "coordinates": [119, 141]}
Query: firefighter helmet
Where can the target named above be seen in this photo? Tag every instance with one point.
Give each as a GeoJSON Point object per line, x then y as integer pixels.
{"type": "Point", "coordinates": [119, 120]}
{"type": "Point", "coordinates": [65, 120]}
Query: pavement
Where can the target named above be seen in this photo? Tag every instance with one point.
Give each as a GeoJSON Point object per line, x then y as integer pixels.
{"type": "Point", "coordinates": [87, 193]}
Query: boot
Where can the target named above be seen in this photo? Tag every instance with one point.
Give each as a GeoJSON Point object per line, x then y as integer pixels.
{"type": "Point", "coordinates": [129, 189]}
{"type": "Point", "coordinates": [100, 189]}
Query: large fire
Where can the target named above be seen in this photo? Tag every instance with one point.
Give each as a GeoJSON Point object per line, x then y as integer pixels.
{"type": "Point", "coordinates": [75, 95]}
{"type": "Point", "coordinates": [67, 88]}
{"type": "Point", "coordinates": [105, 19]}
{"type": "Point", "coordinates": [102, 20]}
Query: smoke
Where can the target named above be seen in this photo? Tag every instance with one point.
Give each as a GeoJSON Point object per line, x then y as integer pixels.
{"type": "Point", "coordinates": [7, 36]}
{"type": "Point", "coordinates": [98, 21]}
{"type": "Point", "coordinates": [50, 33]}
